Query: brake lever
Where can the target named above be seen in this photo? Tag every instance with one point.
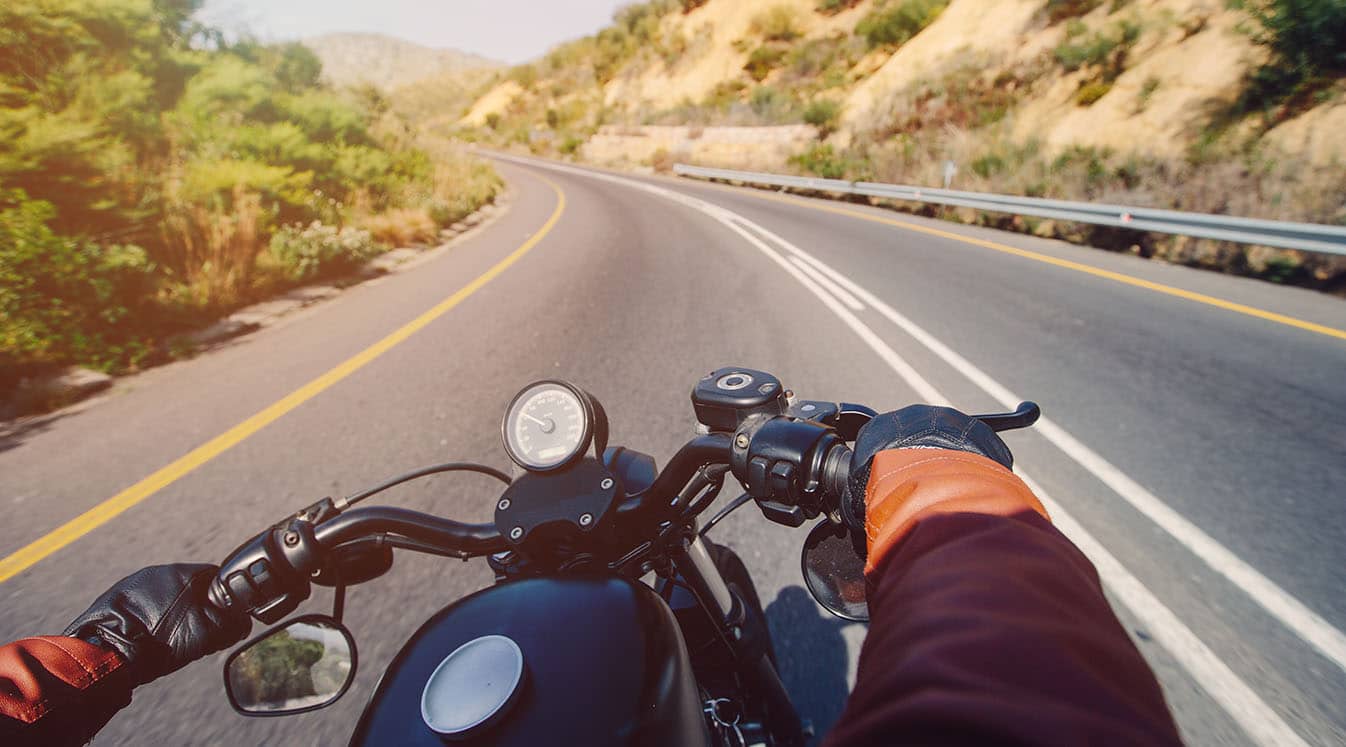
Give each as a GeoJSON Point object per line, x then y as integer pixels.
{"type": "Point", "coordinates": [1026, 414]}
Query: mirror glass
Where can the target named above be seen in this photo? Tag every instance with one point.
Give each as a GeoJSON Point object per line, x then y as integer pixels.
{"type": "Point", "coordinates": [835, 572]}
{"type": "Point", "coordinates": [302, 665]}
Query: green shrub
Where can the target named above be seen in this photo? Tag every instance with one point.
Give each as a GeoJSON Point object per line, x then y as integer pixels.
{"type": "Point", "coordinates": [1105, 48]}
{"type": "Point", "coordinates": [1147, 90]}
{"type": "Point", "coordinates": [823, 114]}
{"type": "Point", "coordinates": [822, 160]}
{"type": "Point", "coordinates": [772, 105]}
{"type": "Point", "coordinates": [319, 250]}
{"type": "Point", "coordinates": [63, 298]}
{"type": "Point", "coordinates": [1092, 92]}
{"type": "Point", "coordinates": [1308, 36]}
{"type": "Point", "coordinates": [1058, 10]}
{"type": "Point", "coordinates": [777, 23]}
{"type": "Point", "coordinates": [155, 156]}
{"type": "Point", "coordinates": [570, 145]}
{"type": "Point", "coordinates": [833, 7]}
{"type": "Point", "coordinates": [818, 56]}
{"type": "Point", "coordinates": [763, 60]}
{"type": "Point", "coordinates": [988, 165]}
{"type": "Point", "coordinates": [1307, 40]}
{"type": "Point", "coordinates": [897, 22]}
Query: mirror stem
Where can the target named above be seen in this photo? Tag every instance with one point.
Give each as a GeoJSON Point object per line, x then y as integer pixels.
{"type": "Point", "coordinates": [338, 601]}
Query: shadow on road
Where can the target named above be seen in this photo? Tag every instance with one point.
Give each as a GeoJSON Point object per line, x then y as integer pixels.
{"type": "Point", "coordinates": [14, 432]}
{"type": "Point", "coordinates": [811, 654]}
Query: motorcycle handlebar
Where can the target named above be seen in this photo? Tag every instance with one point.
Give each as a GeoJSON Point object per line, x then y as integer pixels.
{"type": "Point", "coordinates": [269, 575]}
{"type": "Point", "coordinates": [445, 534]}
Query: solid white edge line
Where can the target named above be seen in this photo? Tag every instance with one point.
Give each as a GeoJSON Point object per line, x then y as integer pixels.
{"type": "Point", "coordinates": [1253, 715]}
{"type": "Point", "coordinates": [1294, 614]}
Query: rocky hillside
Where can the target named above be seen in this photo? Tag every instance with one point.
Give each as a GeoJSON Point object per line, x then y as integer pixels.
{"type": "Point", "coordinates": [387, 62]}
{"type": "Point", "coordinates": [1225, 106]}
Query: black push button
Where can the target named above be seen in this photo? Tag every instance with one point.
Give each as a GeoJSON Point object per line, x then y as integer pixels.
{"type": "Point", "coordinates": [757, 475]}
{"type": "Point", "coordinates": [782, 480]}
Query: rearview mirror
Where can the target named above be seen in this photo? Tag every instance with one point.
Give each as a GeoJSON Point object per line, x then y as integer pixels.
{"type": "Point", "coordinates": [835, 572]}
{"type": "Point", "coordinates": [303, 665]}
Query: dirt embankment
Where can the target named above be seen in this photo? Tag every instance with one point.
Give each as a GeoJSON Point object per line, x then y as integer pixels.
{"type": "Point", "coordinates": [1155, 103]}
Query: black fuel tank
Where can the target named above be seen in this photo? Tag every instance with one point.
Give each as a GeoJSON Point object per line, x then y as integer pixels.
{"type": "Point", "coordinates": [604, 664]}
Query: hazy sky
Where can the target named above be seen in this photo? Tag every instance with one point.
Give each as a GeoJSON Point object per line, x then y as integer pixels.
{"type": "Point", "coordinates": [508, 30]}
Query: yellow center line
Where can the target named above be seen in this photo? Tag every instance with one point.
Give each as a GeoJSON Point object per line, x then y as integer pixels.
{"type": "Point", "coordinates": [1202, 298]}
{"type": "Point", "coordinates": [109, 509]}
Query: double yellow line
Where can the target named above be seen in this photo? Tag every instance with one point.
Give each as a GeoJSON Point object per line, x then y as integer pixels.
{"type": "Point", "coordinates": [24, 558]}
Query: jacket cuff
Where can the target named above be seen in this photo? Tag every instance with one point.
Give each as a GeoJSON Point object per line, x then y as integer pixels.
{"type": "Point", "coordinates": [56, 690]}
{"type": "Point", "coordinates": [908, 485]}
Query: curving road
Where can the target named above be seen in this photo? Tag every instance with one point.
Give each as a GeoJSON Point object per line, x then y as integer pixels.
{"type": "Point", "coordinates": [1196, 448]}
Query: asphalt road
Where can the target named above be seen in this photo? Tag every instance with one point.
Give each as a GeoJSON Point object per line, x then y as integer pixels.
{"type": "Point", "coordinates": [1231, 422]}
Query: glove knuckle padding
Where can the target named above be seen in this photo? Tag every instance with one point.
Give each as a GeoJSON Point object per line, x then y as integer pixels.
{"type": "Point", "coordinates": [916, 427]}
{"type": "Point", "coordinates": [159, 619]}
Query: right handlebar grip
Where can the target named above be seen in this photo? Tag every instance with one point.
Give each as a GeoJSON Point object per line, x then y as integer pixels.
{"type": "Point", "coordinates": [837, 476]}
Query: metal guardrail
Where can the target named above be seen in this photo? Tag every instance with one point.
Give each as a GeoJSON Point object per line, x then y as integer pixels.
{"type": "Point", "coordinates": [1313, 237]}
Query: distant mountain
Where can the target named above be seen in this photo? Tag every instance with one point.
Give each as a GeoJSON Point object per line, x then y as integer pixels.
{"type": "Point", "coordinates": [386, 61]}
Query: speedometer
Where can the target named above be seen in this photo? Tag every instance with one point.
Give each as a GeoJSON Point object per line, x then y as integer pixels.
{"type": "Point", "coordinates": [548, 425]}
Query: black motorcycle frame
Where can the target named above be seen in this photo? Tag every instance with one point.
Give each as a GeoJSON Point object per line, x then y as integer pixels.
{"type": "Point", "coordinates": [622, 517]}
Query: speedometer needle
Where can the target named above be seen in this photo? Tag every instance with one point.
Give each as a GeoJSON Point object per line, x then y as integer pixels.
{"type": "Point", "coordinates": [547, 425]}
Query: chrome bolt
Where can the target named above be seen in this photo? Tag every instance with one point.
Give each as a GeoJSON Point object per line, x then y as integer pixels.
{"type": "Point", "coordinates": [503, 504]}
{"type": "Point", "coordinates": [586, 519]}
{"type": "Point", "coordinates": [291, 538]}
{"type": "Point", "coordinates": [766, 388]}
{"type": "Point", "coordinates": [516, 533]}
{"type": "Point", "coordinates": [741, 441]}
{"type": "Point", "coordinates": [606, 484]}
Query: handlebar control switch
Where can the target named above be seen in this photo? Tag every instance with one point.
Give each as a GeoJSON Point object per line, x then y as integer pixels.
{"type": "Point", "coordinates": [268, 576]}
{"type": "Point", "coordinates": [784, 466]}
{"type": "Point", "coordinates": [727, 396]}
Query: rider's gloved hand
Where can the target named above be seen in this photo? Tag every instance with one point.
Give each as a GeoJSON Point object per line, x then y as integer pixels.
{"type": "Point", "coordinates": [922, 460]}
{"type": "Point", "coordinates": [159, 620]}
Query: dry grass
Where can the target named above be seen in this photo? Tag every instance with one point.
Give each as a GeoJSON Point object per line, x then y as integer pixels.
{"type": "Point", "coordinates": [400, 227]}
{"type": "Point", "coordinates": [216, 247]}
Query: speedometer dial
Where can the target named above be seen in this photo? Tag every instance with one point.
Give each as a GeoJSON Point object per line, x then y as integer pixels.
{"type": "Point", "coordinates": [547, 426]}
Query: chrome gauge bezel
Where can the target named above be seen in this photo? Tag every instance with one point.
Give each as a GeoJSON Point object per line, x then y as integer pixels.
{"type": "Point", "coordinates": [587, 413]}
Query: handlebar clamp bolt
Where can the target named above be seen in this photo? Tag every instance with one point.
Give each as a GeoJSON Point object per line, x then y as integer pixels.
{"type": "Point", "coordinates": [503, 505]}
{"type": "Point", "coordinates": [516, 533]}
{"type": "Point", "coordinates": [291, 539]}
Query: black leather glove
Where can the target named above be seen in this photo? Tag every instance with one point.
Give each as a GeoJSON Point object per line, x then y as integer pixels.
{"type": "Point", "coordinates": [159, 620]}
{"type": "Point", "coordinates": [915, 427]}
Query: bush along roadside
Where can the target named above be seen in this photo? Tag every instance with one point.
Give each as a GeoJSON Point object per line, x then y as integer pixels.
{"type": "Point", "coordinates": [156, 175]}
{"type": "Point", "coordinates": [327, 260]}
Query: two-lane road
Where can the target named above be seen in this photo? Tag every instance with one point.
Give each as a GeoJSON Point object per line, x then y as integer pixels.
{"type": "Point", "coordinates": [1170, 415]}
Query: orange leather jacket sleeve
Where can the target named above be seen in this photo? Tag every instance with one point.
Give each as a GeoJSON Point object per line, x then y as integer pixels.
{"type": "Point", "coordinates": [56, 690]}
{"type": "Point", "coordinates": [908, 485]}
{"type": "Point", "coordinates": [987, 625]}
